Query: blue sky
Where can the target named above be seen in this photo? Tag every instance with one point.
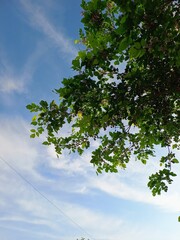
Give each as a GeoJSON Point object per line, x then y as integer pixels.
{"type": "Point", "coordinates": [36, 50]}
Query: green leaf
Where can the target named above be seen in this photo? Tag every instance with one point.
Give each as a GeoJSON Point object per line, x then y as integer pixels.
{"type": "Point", "coordinates": [76, 64]}
{"type": "Point", "coordinates": [33, 107]}
{"type": "Point", "coordinates": [174, 146]}
{"type": "Point", "coordinates": [82, 54]}
{"type": "Point", "coordinates": [33, 135]}
{"type": "Point", "coordinates": [46, 143]}
{"type": "Point", "coordinates": [123, 44]}
{"type": "Point", "coordinates": [137, 45]}
{"type": "Point", "coordinates": [33, 130]}
{"type": "Point", "coordinates": [116, 62]}
{"type": "Point", "coordinates": [95, 62]}
{"type": "Point", "coordinates": [34, 118]}
{"type": "Point", "coordinates": [175, 160]}
{"type": "Point", "coordinates": [76, 41]}
{"type": "Point", "coordinates": [134, 53]}
{"type": "Point", "coordinates": [123, 19]}
{"type": "Point", "coordinates": [34, 123]}
{"type": "Point", "coordinates": [143, 42]}
{"type": "Point", "coordinates": [144, 161]}
{"type": "Point", "coordinates": [29, 106]}
{"type": "Point", "coordinates": [44, 104]}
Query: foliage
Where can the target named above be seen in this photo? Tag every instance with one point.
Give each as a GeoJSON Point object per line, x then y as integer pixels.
{"type": "Point", "coordinates": [130, 112]}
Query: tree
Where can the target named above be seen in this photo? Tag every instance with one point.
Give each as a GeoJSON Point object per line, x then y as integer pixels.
{"type": "Point", "coordinates": [130, 112]}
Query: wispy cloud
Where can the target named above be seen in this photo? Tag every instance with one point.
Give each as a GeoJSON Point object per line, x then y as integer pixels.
{"type": "Point", "coordinates": [22, 205]}
{"type": "Point", "coordinates": [9, 84]}
{"type": "Point", "coordinates": [8, 81]}
{"type": "Point", "coordinates": [38, 19]}
{"type": "Point", "coordinates": [15, 143]}
{"type": "Point", "coordinates": [130, 184]}
{"type": "Point", "coordinates": [16, 80]}
{"type": "Point", "coordinates": [13, 80]}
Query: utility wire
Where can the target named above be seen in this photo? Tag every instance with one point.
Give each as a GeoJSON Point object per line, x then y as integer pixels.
{"type": "Point", "coordinates": [43, 196]}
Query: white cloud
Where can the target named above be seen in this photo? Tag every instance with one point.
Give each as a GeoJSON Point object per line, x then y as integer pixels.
{"type": "Point", "coordinates": [95, 222]}
{"type": "Point", "coordinates": [16, 144]}
{"type": "Point", "coordinates": [132, 186]}
{"type": "Point", "coordinates": [9, 84]}
{"type": "Point", "coordinates": [21, 204]}
{"type": "Point", "coordinates": [72, 164]}
{"type": "Point", "coordinates": [25, 220]}
{"type": "Point", "coordinates": [39, 20]}
{"type": "Point", "coordinates": [12, 80]}
{"type": "Point", "coordinates": [30, 232]}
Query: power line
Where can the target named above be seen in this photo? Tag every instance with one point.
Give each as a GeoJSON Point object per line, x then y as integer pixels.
{"type": "Point", "coordinates": [43, 196]}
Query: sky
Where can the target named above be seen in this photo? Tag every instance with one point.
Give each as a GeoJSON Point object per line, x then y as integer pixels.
{"type": "Point", "coordinates": [45, 197]}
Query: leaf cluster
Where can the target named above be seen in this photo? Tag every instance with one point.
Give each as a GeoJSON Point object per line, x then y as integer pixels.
{"type": "Point", "coordinates": [131, 112]}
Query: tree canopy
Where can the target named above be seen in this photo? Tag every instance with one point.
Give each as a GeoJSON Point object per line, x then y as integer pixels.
{"type": "Point", "coordinates": [129, 112]}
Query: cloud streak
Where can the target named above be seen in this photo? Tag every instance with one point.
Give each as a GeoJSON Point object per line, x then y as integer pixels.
{"type": "Point", "coordinates": [8, 81]}
{"type": "Point", "coordinates": [130, 184]}
{"type": "Point", "coordinates": [22, 205]}
{"type": "Point", "coordinates": [12, 81]}
{"type": "Point", "coordinates": [120, 189]}
{"type": "Point", "coordinates": [40, 21]}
